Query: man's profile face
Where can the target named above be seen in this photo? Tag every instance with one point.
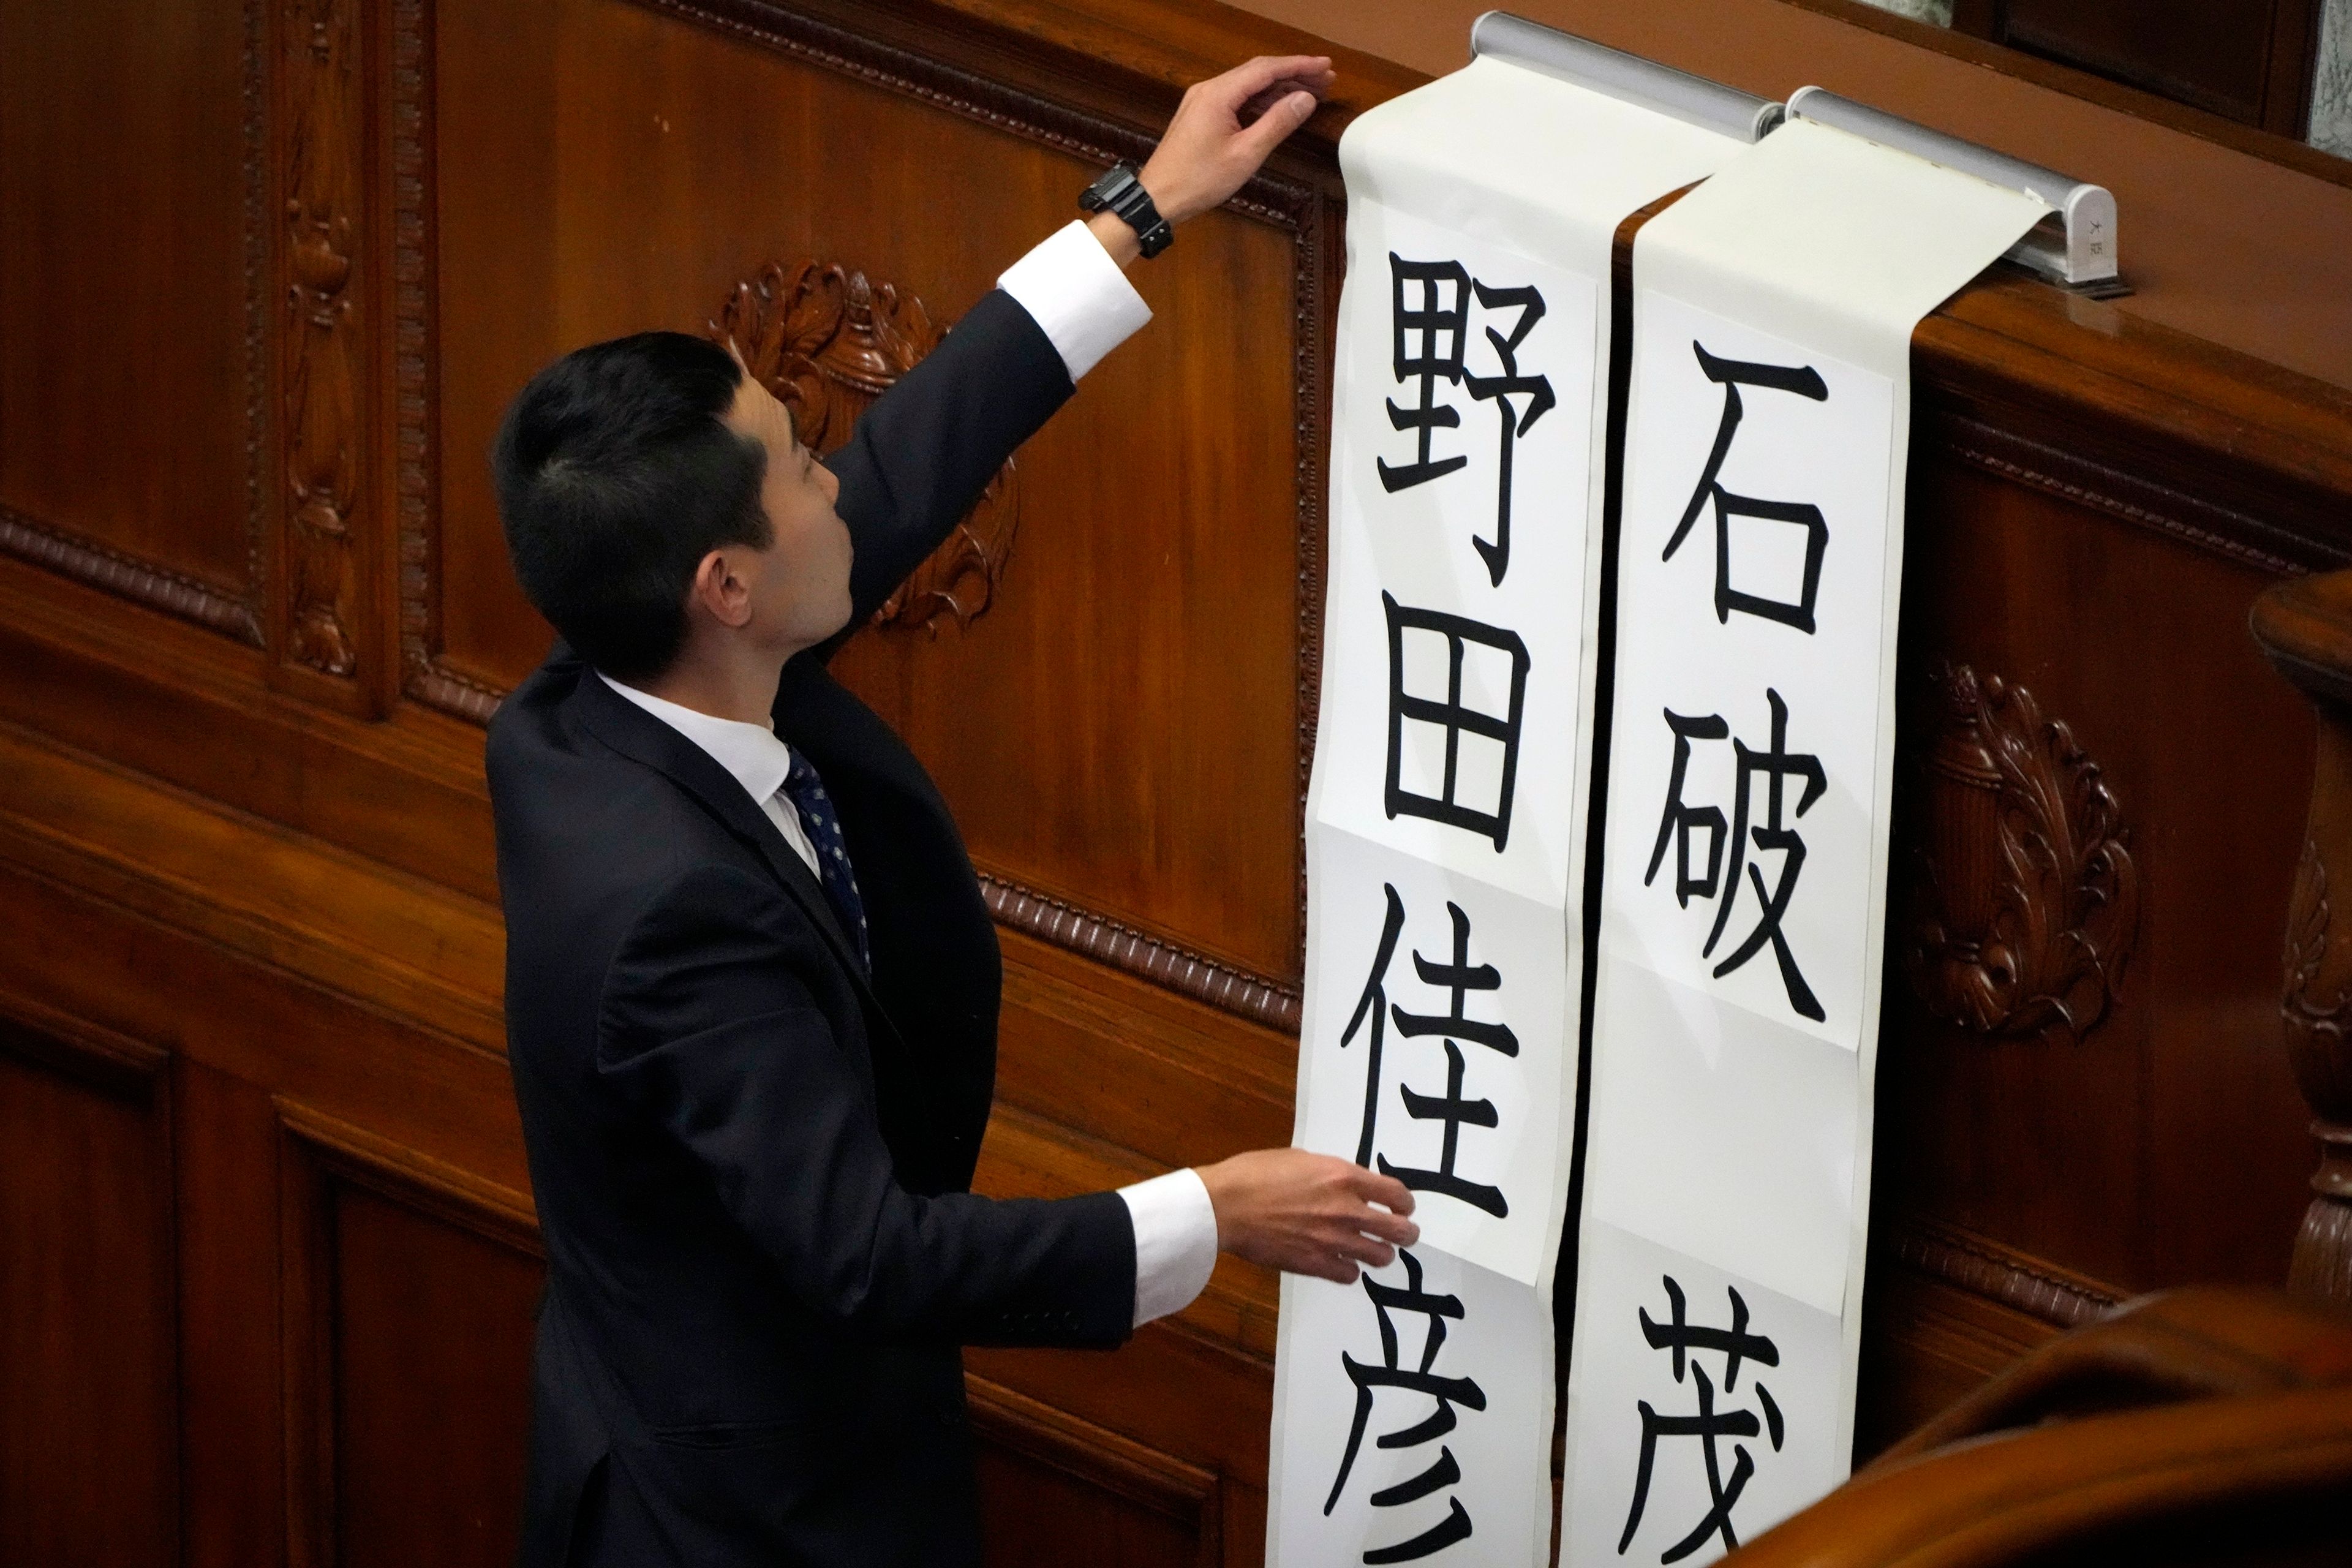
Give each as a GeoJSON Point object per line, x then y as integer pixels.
{"type": "Point", "coordinates": [799, 586]}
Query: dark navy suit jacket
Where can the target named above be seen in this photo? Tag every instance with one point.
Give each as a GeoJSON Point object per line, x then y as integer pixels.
{"type": "Point", "coordinates": [751, 1157]}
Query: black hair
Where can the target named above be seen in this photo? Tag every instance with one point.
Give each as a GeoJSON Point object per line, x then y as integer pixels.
{"type": "Point", "coordinates": [617, 475]}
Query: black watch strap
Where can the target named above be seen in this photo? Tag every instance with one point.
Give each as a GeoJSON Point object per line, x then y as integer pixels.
{"type": "Point", "coordinates": [1121, 192]}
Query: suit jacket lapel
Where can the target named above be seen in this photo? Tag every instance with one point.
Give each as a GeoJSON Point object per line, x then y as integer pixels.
{"type": "Point", "coordinates": [635, 733]}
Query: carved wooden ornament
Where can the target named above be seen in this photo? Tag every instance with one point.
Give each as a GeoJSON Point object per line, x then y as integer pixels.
{"type": "Point", "coordinates": [828, 342]}
{"type": "Point", "coordinates": [2024, 900]}
{"type": "Point", "coordinates": [323, 348]}
{"type": "Point", "coordinates": [2315, 1007]}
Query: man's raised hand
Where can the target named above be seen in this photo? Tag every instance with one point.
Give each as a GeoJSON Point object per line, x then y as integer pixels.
{"type": "Point", "coordinates": [1225, 128]}
{"type": "Point", "coordinates": [1309, 1214]}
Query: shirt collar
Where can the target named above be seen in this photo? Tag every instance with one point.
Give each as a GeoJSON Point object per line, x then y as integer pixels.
{"type": "Point", "coordinates": [751, 753]}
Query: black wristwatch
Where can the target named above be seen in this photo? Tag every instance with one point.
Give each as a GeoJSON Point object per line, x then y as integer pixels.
{"type": "Point", "coordinates": [1120, 192]}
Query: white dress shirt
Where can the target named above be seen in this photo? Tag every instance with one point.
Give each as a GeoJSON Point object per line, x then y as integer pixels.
{"type": "Point", "coordinates": [1082, 301]}
{"type": "Point", "coordinates": [752, 753]}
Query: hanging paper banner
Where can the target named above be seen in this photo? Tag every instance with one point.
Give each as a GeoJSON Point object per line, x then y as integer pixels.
{"type": "Point", "coordinates": [1413, 1409]}
{"type": "Point", "coordinates": [1744, 877]}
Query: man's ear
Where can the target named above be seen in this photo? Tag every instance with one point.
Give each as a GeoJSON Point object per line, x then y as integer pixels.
{"type": "Point", "coordinates": [720, 590]}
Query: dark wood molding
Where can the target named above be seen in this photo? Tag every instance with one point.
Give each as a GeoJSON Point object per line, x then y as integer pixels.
{"type": "Point", "coordinates": [413, 1178]}
{"type": "Point", "coordinates": [128, 577]}
{"type": "Point", "coordinates": [101, 1058]}
{"type": "Point", "coordinates": [323, 60]}
{"type": "Point", "coordinates": [1102, 1459]}
{"type": "Point", "coordinates": [1321, 250]}
{"type": "Point", "coordinates": [1982, 1267]}
{"type": "Point", "coordinates": [260, 432]}
{"type": "Point", "coordinates": [425, 676]}
{"type": "Point", "coordinates": [2128, 498]}
{"type": "Point", "coordinates": [1205, 980]}
{"type": "Point", "coordinates": [436, 685]}
{"type": "Point", "coordinates": [2079, 400]}
{"type": "Point", "coordinates": [413, 360]}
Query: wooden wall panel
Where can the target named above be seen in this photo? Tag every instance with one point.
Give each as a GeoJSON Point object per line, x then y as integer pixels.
{"type": "Point", "coordinates": [129, 371]}
{"type": "Point", "coordinates": [409, 1292]}
{"type": "Point", "coordinates": [433, 1330]}
{"type": "Point", "coordinates": [2166, 1143]}
{"type": "Point", "coordinates": [2248, 60]}
{"type": "Point", "coordinates": [232, 1465]}
{"type": "Point", "coordinates": [1115, 1057]}
{"type": "Point", "coordinates": [1121, 728]}
{"type": "Point", "coordinates": [1056, 1491]}
{"type": "Point", "coordinates": [88, 1413]}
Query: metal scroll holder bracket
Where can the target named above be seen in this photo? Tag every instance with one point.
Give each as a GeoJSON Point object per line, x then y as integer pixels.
{"type": "Point", "coordinates": [2073, 247]}
{"type": "Point", "coordinates": [1690, 99]}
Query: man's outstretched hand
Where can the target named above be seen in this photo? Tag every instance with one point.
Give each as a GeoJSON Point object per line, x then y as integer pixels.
{"type": "Point", "coordinates": [1226, 126]}
{"type": "Point", "coordinates": [1309, 1214]}
{"type": "Point", "coordinates": [1221, 132]}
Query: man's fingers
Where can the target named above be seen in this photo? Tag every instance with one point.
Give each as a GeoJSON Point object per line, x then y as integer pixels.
{"type": "Point", "coordinates": [1259, 102]}
{"type": "Point", "coordinates": [1328, 1265]}
{"type": "Point", "coordinates": [1389, 1227]}
{"type": "Point", "coordinates": [1286, 116]}
{"type": "Point", "coordinates": [1386, 1191]}
{"type": "Point", "coordinates": [1266, 98]}
{"type": "Point", "coordinates": [1251, 78]}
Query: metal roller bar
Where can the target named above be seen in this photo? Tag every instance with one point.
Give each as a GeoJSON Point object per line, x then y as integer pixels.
{"type": "Point", "coordinates": [1688, 98]}
{"type": "Point", "coordinates": [2074, 246]}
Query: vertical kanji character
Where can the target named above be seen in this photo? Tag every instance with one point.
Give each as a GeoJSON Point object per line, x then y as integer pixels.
{"type": "Point", "coordinates": [1536, 389]}
{"type": "Point", "coordinates": [1731, 374]}
{"type": "Point", "coordinates": [1427, 339]}
{"type": "Point", "coordinates": [1455, 718]}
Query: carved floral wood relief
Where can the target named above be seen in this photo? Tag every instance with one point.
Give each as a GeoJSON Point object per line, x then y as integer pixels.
{"type": "Point", "coordinates": [323, 352]}
{"type": "Point", "coordinates": [2315, 1007]}
{"type": "Point", "coordinates": [2309, 1008]}
{"type": "Point", "coordinates": [828, 342]}
{"type": "Point", "coordinates": [2024, 898]}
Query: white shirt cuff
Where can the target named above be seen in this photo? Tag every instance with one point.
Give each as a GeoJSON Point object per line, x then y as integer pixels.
{"type": "Point", "coordinates": [1076, 293]}
{"type": "Point", "coordinates": [1175, 1240]}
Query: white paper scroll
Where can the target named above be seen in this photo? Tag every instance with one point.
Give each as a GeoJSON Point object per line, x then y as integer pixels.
{"type": "Point", "coordinates": [1719, 1281]}
{"type": "Point", "coordinates": [1413, 1409]}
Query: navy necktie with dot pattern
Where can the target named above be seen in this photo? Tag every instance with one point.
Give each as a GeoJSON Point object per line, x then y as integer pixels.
{"type": "Point", "coordinates": [806, 791]}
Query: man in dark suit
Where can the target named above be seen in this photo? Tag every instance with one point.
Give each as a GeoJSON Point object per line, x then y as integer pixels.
{"type": "Point", "coordinates": [752, 987]}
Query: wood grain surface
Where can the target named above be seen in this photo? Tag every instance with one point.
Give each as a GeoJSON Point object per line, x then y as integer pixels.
{"type": "Point", "coordinates": [266, 1252]}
